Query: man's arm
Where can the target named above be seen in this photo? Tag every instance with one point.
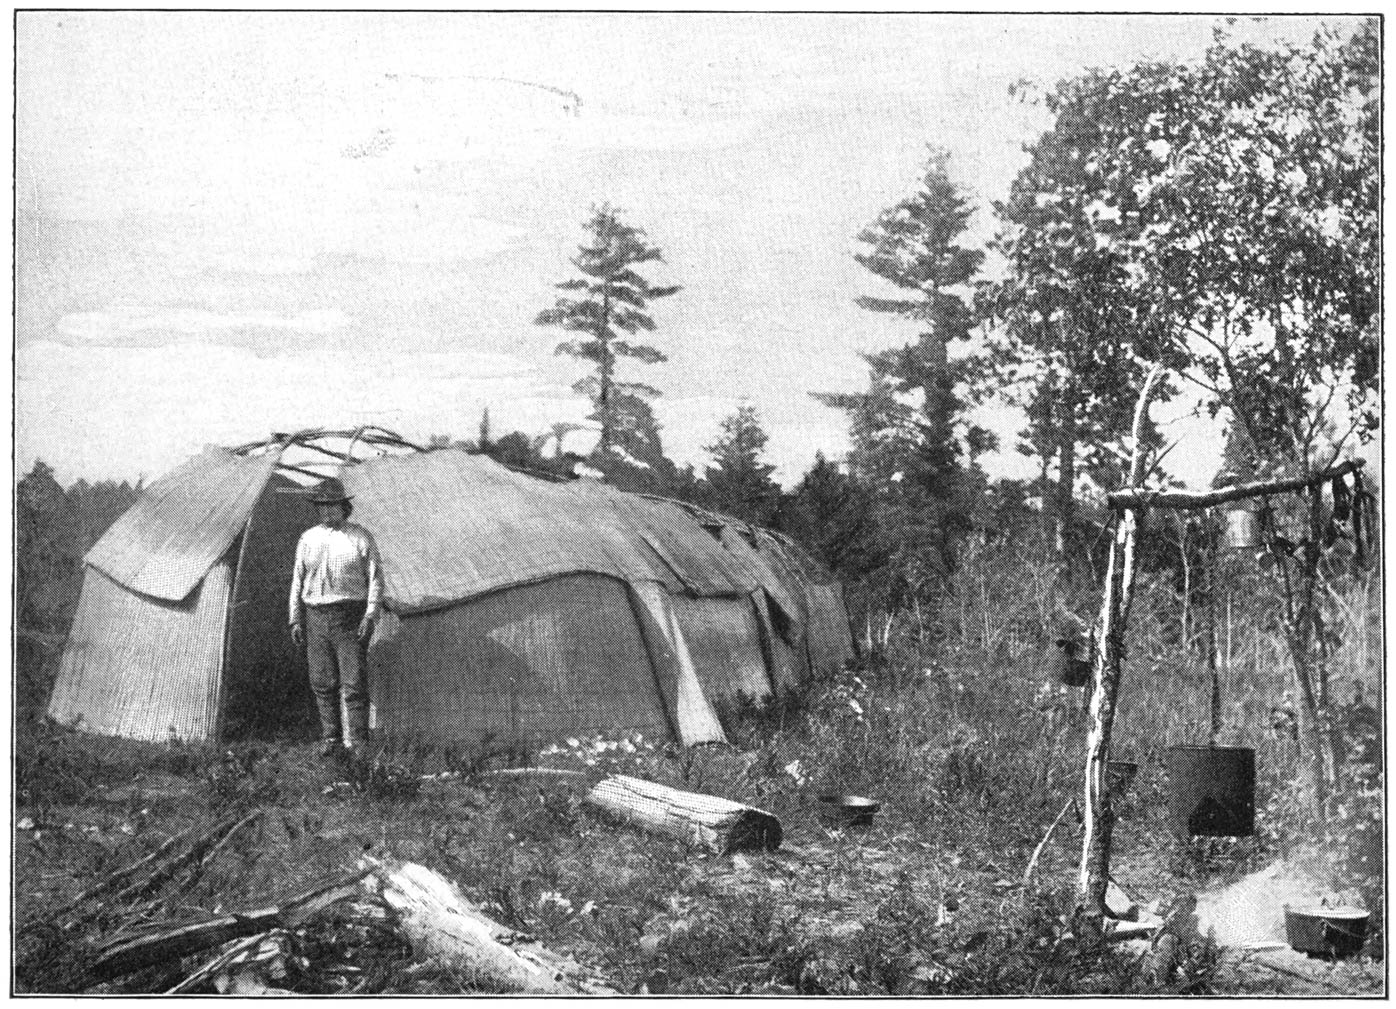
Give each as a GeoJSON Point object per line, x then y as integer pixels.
{"type": "Point", "coordinates": [297, 605]}
{"type": "Point", "coordinates": [374, 571]}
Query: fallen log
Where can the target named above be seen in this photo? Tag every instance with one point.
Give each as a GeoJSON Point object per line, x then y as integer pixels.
{"type": "Point", "coordinates": [445, 928]}
{"type": "Point", "coordinates": [718, 824]}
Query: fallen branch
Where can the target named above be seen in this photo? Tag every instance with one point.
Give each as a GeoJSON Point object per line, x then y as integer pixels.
{"type": "Point", "coordinates": [1298, 974]}
{"type": "Point", "coordinates": [223, 841]}
{"type": "Point", "coordinates": [164, 872]}
{"type": "Point", "coordinates": [1032, 862]}
{"type": "Point", "coordinates": [159, 945]}
{"type": "Point", "coordinates": [121, 875]}
{"type": "Point", "coordinates": [718, 824]}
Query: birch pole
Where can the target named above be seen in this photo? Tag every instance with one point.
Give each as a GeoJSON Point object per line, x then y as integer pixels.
{"type": "Point", "coordinates": [1105, 681]}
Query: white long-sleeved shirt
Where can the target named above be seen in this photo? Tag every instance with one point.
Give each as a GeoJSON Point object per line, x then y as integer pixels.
{"type": "Point", "coordinates": [335, 566]}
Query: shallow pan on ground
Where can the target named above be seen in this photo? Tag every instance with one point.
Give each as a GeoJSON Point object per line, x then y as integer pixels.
{"type": "Point", "coordinates": [847, 810]}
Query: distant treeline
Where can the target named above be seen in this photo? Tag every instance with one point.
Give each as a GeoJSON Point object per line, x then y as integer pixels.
{"type": "Point", "coordinates": [54, 528]}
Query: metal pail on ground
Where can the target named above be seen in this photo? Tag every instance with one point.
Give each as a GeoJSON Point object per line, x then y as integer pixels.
{"type": "Point", "coordinates": [1212, 790]}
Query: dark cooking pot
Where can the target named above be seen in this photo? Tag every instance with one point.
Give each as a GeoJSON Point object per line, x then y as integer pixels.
{"type": "Point", "coordinates": [1331, 932]}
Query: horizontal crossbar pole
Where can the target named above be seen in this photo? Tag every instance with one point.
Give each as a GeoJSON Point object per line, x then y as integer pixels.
{"type": "Point", "coordinates": [1190, 501]}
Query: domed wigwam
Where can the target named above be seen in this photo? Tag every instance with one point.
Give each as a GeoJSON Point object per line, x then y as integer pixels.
{"type": "Point", "coordinates": [518, 606]}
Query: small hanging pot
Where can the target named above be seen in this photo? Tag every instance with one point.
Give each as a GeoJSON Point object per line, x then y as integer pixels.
{"type": "Point", "coordinates": [1067, 666]}
{"type": "Point", "coordinates": [1119, 775]}
{"type": "Point", "coordinates": [1242, 529]}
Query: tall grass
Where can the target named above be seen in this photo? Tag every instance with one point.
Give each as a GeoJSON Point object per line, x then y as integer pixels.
{"type": "Point", "coordinates": [954, 728]}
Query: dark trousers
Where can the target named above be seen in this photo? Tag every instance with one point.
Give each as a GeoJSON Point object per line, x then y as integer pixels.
{"type": "Point", "coordinates": [338, 665]}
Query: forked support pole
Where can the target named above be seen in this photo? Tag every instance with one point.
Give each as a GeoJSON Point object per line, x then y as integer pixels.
{"type": "Point", "coordinates": [1094, 878]}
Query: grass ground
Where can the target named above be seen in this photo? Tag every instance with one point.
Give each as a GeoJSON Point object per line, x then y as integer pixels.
{"type": "Point", "coordinates": [971, 753]}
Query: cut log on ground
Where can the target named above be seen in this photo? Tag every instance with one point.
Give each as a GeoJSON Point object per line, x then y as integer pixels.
{"type": "Point", "coordinates": [444, 928]}
{"type": "Point", "coordinates": [718, 824]}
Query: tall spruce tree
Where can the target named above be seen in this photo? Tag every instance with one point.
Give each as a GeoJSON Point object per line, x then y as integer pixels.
{"type": "Point", "coordinates": [832, 515]}
{"type": "Point", "coordinates": [740, 479]}
{"type": "Point", "coordinates": [608, 303]}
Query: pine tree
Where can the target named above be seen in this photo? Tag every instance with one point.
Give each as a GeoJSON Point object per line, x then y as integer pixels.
{"type": "Point", "coordinates": [610, 303]}
{"type": "Point", "coordinates": [914, 246]}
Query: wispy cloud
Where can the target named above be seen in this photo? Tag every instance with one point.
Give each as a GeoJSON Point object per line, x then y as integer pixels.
{"type": "Point", "coordinates": [135, 325]}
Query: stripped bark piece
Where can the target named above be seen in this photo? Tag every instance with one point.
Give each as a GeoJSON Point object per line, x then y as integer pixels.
{"type": "Point", "coordinates": [718, 824]}
{"type": "Point", "coordinates": [157, 946]}
{"type": "Point", "coordinates": [445, 928]}
{"type": "Point", "coordinates": [232, 954]}
{"type": "Point", "coordinates": [128, 953]}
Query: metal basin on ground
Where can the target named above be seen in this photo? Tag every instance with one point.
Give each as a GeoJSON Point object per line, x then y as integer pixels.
{"type": "Point", "coordinates": [847, 810]}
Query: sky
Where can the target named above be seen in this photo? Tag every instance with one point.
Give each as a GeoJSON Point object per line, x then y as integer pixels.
{"type": "Point", "coordinates": [229, 224]}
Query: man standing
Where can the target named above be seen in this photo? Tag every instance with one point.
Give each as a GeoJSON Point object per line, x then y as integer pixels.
{"type": "Point", "coordinates": [336, 597]}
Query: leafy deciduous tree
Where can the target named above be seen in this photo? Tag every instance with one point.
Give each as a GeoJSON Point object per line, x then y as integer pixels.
{"type": "Point", "coordinates": [1075, 332]}
{"type": "Point", "coordinates": [1221, 218]}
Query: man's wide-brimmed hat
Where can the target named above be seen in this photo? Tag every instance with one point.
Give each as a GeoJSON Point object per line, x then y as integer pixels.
{"type": "Point", "coordinates": [329, 491]}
